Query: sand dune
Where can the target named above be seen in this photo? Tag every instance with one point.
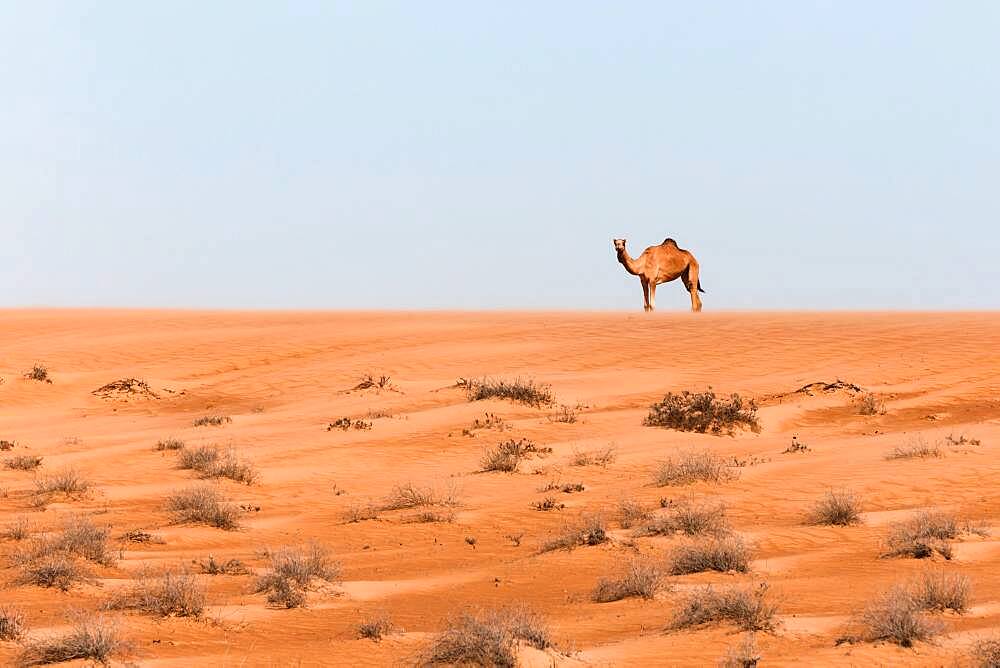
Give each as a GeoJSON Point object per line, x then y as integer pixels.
{"type": "Point", "coordinates": [282, 378]}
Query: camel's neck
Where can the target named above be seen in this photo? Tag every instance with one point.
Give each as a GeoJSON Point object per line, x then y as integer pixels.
{"type": "Point", "coordinates": [631, 266]}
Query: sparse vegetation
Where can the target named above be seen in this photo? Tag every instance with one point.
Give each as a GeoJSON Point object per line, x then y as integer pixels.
{"type": "Point", "coordinates": [939, 591]}
{"type": "Point", "coordinates": [210, 463]}
{"type": "Point", "coordinates": [23, 462]}
{"type": "Point", "coordinates": [895, 616]}
{"type": "Point", "coordinates": [346, 423]}
{"type": "Point", "coordinates": [601, 457]}
{"type": "Point", "coordinates": [750, 609]}
{"type": "Point", "coordinates": [987, 653]}
{"type": "Point", "coordinates": [744, 655]}
{"type": "Point", "coordinates": [38, 372]}
{"type": "Point", "coordinates": [409, 495]}
{"type": "Point", "coordinates": [140, 536]}
{"type": "Point", "coordinates": [525, 391]}
{"type": "Point", "coordinates": [228, 567]}
{"type": "Point", "coordinates": [172, 594]}
{"type": "Point", "coordinates": [869, 404]}
{"type": "Point", "coordinates": [125, 387]}
{"type": "Point", "coordinates": [199, 458]}
{"type": "Point", "coordinates": [924, 534]}
{"type": "Point", "coordinates": [169, 444]}
{"type": "Point", "coordinates": [548, 503]}
{"type": "Point", "coordinates": [368, 381]}
{"type": "Point", "coordinates": [838, 508]}
{"type": "Point", "coordinates": [961, 440]}
{"type": "Point", "coordinates": [431, 516]}
{"type": "Point", "coordinates": [202, 504]}
{"type": "Point", "coordinates": [564, 414]}
{"type": "Point", "coordinates": [7, 445]}
{"type": "Point", "coordinates": [68, 481]}
{"type": "Point", "coordinates": [93, 637]}
{"type": "Point", "coordinates": [691, 518]}
{"type": "Point", "coordinates": [639, 578]}
{"type": "Point", "coordinates": [691, 467]}
{"type": "Point", "coordinates": [915, 448]}
{"type": "Point", "coordinates": [292, 572]}
{"type": "Point", "coordinates": [487, 638]}
{"type": "Point", "coordinates": [19, 529]}
{"type": "Point", "coordinates": [703, 413]}
{"type": "Point", "coordinates": [488, 421]}
{"type": "Point", "coordinates": [361, 513]}
{"type": "Point", "coordinates": [507, 455]}
{"type": "Point", "coordinates": [47, 557]}
{"type": "Point", "coordinates": [12, 624]}
{"type": "Point", "coordinates": [722, 553]}
{"type": "Point", "coordinates": [57, 570]}
{"type": "Point", "coordinates": [564, 487]}
{"type": "Point", "coordinates": [587, 530]}
{"type": "Point", "coordinates": [796, 446]}
{"type": "Point", "coordinates": [631, 512]}
{"type": "Point", "coordinates": [375, 627]}
{"type": "Point", "coordinates": [212, 420]}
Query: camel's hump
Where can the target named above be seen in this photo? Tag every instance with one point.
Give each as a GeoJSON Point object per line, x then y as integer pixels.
{"type": "Point", "coordinates": [669, 242]}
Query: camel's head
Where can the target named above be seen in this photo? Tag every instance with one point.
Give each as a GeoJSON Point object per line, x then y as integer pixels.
{"type": "Point", "coordinates": [619, 245]}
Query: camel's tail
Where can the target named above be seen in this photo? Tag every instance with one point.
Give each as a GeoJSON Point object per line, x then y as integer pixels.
{"type": "Point", "coordinates": [699, 286]}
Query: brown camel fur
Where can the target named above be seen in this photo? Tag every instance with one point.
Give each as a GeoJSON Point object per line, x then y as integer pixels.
{"type": "Point", "coordinates": [660, 264]}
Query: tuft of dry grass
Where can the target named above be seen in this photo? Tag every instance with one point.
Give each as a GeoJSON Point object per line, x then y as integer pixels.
{"type": "Point", "coordinates": [750, 608]}
{"type": "Point", "coordinates": [51, 555]}
{"type": "Point", "coordinates": [838, 508]}
{"type": "Point", "coordinates": [211, 463]}
{"type": "Point", "coordinates": [744, 655]}
{"type": "Point", "coordinates": [525, 391]}
{"type": "Point", "coordinates": [212, 420]}
{"type": "Point", "coordinates": [690, 467]}
{"type": "Point", "coordinates": [169, 444]}
{"type": "Point", "coordinates": [58, 570]}
{"type": "Point", "coordinates": [375, 627]}
{"type": "Point", "coordinates": [922, 535]}
{"type": "Point", "coordinates": [939, 591]}
{"type": "Point", "coordinates": [564, 414]}
{"type": "Point", "coordinates": [93, 637]}
{"type": "Point", "coordinates": [431, 516]}
{"type": "Point", "coordinates": [12, 624]}
{"type": "Point", "coordinates": [292, 571]}
{"type": "Point", "coordinates": [507, 455]}
{"type": "Point", "coordinates": [587, 530]}
{"type": "Point", "coordinates": [961, 440]}
{"type": "Point", "coordinates": [548, 503]}
{"type": "Point", "coordinates": [600, 457]}
{"type": "Point", "coordinates": [361, 513]}
{"type": "Point", "coordinates": [202, 504]}
{"type": "Point", "coordinates": [639, 578]}
{"type": "Point", "coordinates": [67, 481]}
{"type": "Point", "coordinates": [869, 404]}
{"type": "Point", "coordinates": [487, 638]}
{"type": "Point", "coordinates": [915, 448]}
{"type": "Point", "coordinates": [23, 462]}
{"type": "Point", "coordinates": [172, 594]}
{"type": "Point", "coordinates": [715, 553]}
{"type": "Point", "coordinates": [631, 512]}
{"type": "Point", "coordinates": [6, 445]}
{"type": "Point", "coordinates": [703, 413]}
{"type": "Point", "coordinates": [229, 567]}
{"type": "Point", "coordinates": [691, 518]}
{"type": "Point", "coordinates": [38, 372]}
{"type": "Point", "coordinates": [199, 458]}
{"type": "Point", "coordinates": [19, 529]}
{"type": "Point", "coordinates": [369, 381]}
{"type": "Point", "coordinates": [987, 653]}
{"type": "Point", "coordinates": [895, 616]}
{"type": "Point", "coordinates": [408, 495]}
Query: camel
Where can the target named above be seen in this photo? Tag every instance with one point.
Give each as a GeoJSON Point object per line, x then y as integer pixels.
{"type": "Point", "coordinates": [661, 264]}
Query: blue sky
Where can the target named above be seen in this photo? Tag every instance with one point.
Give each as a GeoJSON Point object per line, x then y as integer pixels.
{"type": "Point", "coordinates": [483, 155]}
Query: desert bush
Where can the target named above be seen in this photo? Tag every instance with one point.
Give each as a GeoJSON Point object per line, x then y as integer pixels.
{"type": "Point", "coordinates": [19, 529]}
{"type": "Point", "coordinates": [639, 578]}
{"type": "Point", "coordinates": [987, 653]}
{"type": "Point", "coordinates": [564, 414]}
{"type": "Point", "coordinates": [487, 638]}
{"type": "Point", "coordinates": [748, 608]}
{"type": "Point", "coordinates": [140, 536]}
{"type": "Point", "coordinates": [38, 372]}
{"type": "Point", "coordinates": [922, 535]}
{"type": "Point", "coordinates": [717, 553]}
{"type": "Point", "coordinates": [488, 421]}
{"type": "Point", "coordinates": [631, 512]}
{"type": "Point", "coordinates": [600, 457]}
{"type": "Point", "coordinates": [78, 537]}
{"type": "Point", "coordinates": [691, 518]}
{"type": "Point", "coordinates": [961, 440]}
{"type": "Point", "coordinates": [409, 495]}
{"type": "Point", "coordinates": [896, 617]}
{"type": "Point", "coordinates": [212, 420]}
{"type": "Point", "coordinates": [703, 413]}
{"type": "Point", "coordinates": [525, 391]}
{"type": "Point", "coordinates": [587, 530]}
{"type": "Point", "coordinates": [361, 513]}
{"type": "Point", "coordinates": [12, 625]}
{"type": "Point", "coordinates": [690, 467]}
{"type": "Point", "coordinates": [211, 463]}
{"type": "Point", "coordinates": [839, 508]}
{"type": "Point", "coordinates": [940, 591]}
{"type": "Point", "coordinates": [375, 627]}
{"type": "Point", "coordinates": [202, 504]}
{"type": "Point", "coordinates": [93, 637]}
{"type": "Point", "coordinates": [564, 487]}
{"type": "Point", "coordinates": [228, 567]}
{"type": "Point", "coordinates": [199, 458]}
{"type": "Point", "coordinates": [169, 444]}
{"type": "Point", "coordinates": [368, 381]}
{"type": "Point", "coordinates": [915, 448]}
{"type": "Point", "coordinates": [172, 594]}
{"type": "Point", "coordinates": [548, 503]}
{"type": "Point", "coordinates": [869, 404]}
{"type": "Point", "coordinates": [346, 423]}
{"type": "Point", "coordinates": [431, 516]}
{"type": "Point", "coordinates": [292, 571]}
{"type": "Point", "coordinates": [744, 655]}
{"type": "Point", "coordinates": [68, 481]}
{"type": "Point", "coordinates": [58, 570]}
{"type": "Point", "coordinates": [6, 445]}
{"type": "Point", "coordinates": [23, 462]}
{"type": "Point", "coordinates": [508, 454]}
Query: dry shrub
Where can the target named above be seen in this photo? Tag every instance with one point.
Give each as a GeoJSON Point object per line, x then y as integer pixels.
{"type": "Point", "coordinates": [199, 458]}
{"type": "Point", "coordinates": [23, 462]}
{"type": "Point", "coordinates": [212, 421]}
{"type": "Point", "coordinates": [744, 655]}
{"type": "Point", "coordinates": [869, 404]}
{"type": "Point", "coordinates": [587, 530]}
{"type": "Point", "coordinates": [431, 516]}
{"type": "Point", "coordinates": [703, 413]}
{"type": "Point", "coordinates": [940, 591]}
{"type": "Point", "coordinates": [361, 513]}
{"type": "Point", "coordinates": [375, 627]}
{"type": "Point", "coordinates": [961, 440]}
{"type": "Point", "coordinates": [508, 454]}
{"type": "Point", "coordinates": [346, 423]}
{"type": "Point", "coordinates": [6, 445]}
{"type": "Point", "coordinates": [631, 512]}
{"type": "Point", "coordinates": [716, 553]}
{"type": "Point", "coordinates": [292, 571]}
{"type": "Point", "coordinates": [229, 567]}
{"type": "Point", "coordinates": [12, 625]}
{"type": "Point", "coordinates": [838, 508]}
{"type": "Point", "coordinates": [748, 608]}
{"type": "Point", "coordinates": [172, 594]}
{"type": "Point", "coordinates": [79, 537]}
{"type": "Point", "coordinates": [691, 518]}
{"type": "Point", "coordinates": [600, 457]}
{"type": "Point", "coordinates": [19, 529]}
{"type": "Point", "coordinates": [987, 653]}
{"type": "Point", "coordinates": [564, 414]}
{"type": "Point", "coordinates": [68, 481]}
{"type": "Point", "coordinates": [38, 372]}
{"type": "Point", "coordinates": [201, 504]}
{"type": "Point", "coordinates": [93, 637]}
{"type": "Point", "coordinates": [895, 616]}
{"type": "Point", "coordinates": [915, 448]}
{"type": "Point", "coordinates": [922, 535]}
{"type": "Point", "coordinates": [368, 381]}
{"type": "Point", "coordinates": [409, 495]}
{"type": "Point", "coordinates": [525, 391]}
{"type": "Point", "coordinates": [211, 463]}
{"type": "Point", "coordinates": [691, 467]}
{"type": "Point", "coordinates": [640, 578]}
{"type": "Point", "coordinates": [548, 503]}
{"type": "Point", "coordinates": [169, 444]}
{"type": "Point", "coordinates": [487, 638]}
{"type": "Point", "coordinates": [59, 570]}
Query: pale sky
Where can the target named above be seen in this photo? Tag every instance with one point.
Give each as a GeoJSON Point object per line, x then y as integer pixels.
{"type": "Point", "coordinates": [484, 154]}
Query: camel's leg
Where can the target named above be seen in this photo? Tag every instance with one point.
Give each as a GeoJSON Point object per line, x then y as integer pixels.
{"type": "Point", "coordinates": [692, 286]}
{"type": "Point", "coordinates": [652, 295]}
{"type": "Point", "coordinates": [645, 294]}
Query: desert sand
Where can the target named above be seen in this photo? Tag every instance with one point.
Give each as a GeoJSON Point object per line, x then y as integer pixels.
{"type": "Point", "coordinates": [283, 377]}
